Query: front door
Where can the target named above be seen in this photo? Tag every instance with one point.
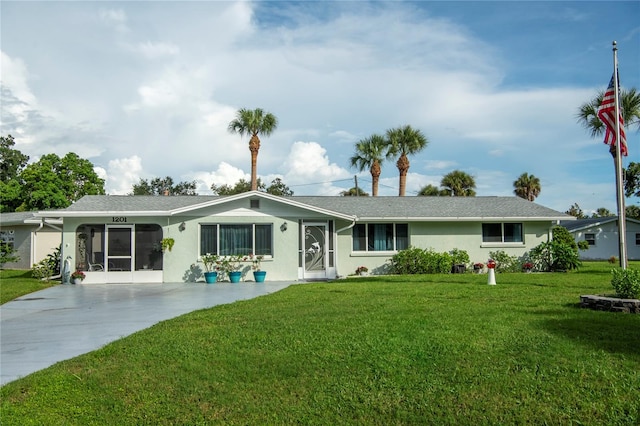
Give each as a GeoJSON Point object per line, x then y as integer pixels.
{"type": "Point", "coordinates": [118, 263]}
{"type": "Point", "coordinates": [315, 251]}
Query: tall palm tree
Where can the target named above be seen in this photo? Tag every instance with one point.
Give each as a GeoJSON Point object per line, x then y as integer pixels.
{"type": "Point", "coordinates": [527, 186]}
{"type": "Point", "coordinates": [630, 106]}
{"type": "Point", "coordinates": [253, 122]}
{"type": "Point", "coordinates": [404, 141]}
{"type": "Point", "coordinates": [370, 154]}
{"type": "Point", "coordinates": [459, 184]}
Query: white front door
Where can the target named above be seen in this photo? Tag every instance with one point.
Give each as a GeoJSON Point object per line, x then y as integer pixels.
{"type": "Point", "coordinates": [315, 250]}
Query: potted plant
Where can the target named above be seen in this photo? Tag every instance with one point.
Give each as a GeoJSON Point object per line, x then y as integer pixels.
{"type": "Point", "coordinates": [258, 274]}
{"type": "Point", "coordinates": [362, 270]}
{"type": "Point", "coordinates": [478, 267]}
{"type": "Point", "coordinates": [210, 262]}
{"type": "Point", "coordinates": [167, 244]}
{"type": "Point", "coordinates": [77, 277]}
{"type": "Point", "coordinates": [231, 265]}
{"type": "Point", "coordinates": [527, 267]}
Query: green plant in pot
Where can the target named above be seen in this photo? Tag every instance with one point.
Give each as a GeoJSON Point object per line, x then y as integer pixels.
{"type": "Point", "coordinates": [211, 262]}
{"type": "Point", "coordinates": [232, 266]}
{"type": "Point", "coordinates": [167, 244]}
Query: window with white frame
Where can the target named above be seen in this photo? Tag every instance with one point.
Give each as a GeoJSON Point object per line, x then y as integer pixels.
{"type": "Point", "coordinates": [8, 238]}
{"type": "Point", "coordinates": [380, 236]}
{"type": "Point", "coordinates": [236, 239]}
{"type": "Point", "coordinates": [590, 238]}
{"type": "Point", "coordinates": [502, 233]}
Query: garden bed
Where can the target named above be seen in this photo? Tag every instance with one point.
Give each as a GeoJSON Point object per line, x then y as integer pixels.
{"type": "Point", "coordinates": [613, 304]}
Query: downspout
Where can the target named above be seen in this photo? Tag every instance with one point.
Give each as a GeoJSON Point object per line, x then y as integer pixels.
{"type": "Point", "coordinates": [353, 223]}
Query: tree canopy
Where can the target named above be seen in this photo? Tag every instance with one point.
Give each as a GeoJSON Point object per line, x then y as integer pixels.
{"type": "Point", "coordinates": [458, 184]}
{"type": "Point", "coordinates": [576, 211]}
{"type": "Point", "coordinates": [353, 192]}
{"type": "Point", "coordinates": [632, 180]}
{"type": "Point", "coordinates": [369, 154]}
{"type": "Point", "coordinates": [54, 183]}
{"type": "Point", "coordinates": [253, 122]}
{"type": "Point", "coordinates": [527, 186]}
{"type": "Point", "coordinates": [277, 187]}
{"type": "Point", "coordinates": [164, 186]}
{"type": "Point", "coordinates": [403, 142]}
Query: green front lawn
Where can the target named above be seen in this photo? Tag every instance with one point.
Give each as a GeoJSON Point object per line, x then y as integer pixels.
{"type": "Point", "coordinates": [436, 349]}
{"type": "Point", "coordinates": [14, 284]}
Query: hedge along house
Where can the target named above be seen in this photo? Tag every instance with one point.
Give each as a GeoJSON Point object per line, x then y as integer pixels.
{"type": "Point", "coordinates": [116, 239]}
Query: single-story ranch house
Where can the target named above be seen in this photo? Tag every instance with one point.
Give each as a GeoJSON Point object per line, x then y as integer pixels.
{"type": "Point", "coordinates": [602, 235]}
{"type": "Point", "coordinates": [116, 239]}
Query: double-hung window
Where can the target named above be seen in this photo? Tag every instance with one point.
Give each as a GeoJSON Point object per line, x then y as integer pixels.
{"type": "Point", "coordinates": [380, 236]}
{"type": "Point", "coordinates": [590, 238]}
{"type": "Point", "coordinates": [236, 239]}
{"type": "Point", "coordinates": [502, 233]}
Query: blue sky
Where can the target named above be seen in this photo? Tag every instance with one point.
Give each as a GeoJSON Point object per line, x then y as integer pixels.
{"type": "Point", "coordinates": [147, 89]}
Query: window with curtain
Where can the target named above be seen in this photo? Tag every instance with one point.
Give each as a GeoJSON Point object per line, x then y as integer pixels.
{"type": "Point", "coordinates": [228, 240]}
{"type": "Point", "coordinates": [502, 233]}
{"type": "Point", "coordinates": [380, 236]}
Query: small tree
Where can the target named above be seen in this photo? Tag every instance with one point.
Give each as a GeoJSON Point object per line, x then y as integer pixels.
{"type": "Point", "coordinates": [7, 254]}
{"type": "Point", "coordinates": [559, 254]}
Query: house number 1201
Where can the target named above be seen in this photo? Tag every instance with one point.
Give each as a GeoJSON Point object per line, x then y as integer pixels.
{"type": "Point", "coordinates": [119, 219]}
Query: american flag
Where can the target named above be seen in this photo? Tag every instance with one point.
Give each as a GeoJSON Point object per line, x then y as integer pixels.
{"type": "Point", "coordinates": [607, 113]}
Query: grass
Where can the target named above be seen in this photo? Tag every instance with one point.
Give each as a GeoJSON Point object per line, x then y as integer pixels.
{"type": "Point", "coordinates": [14, 283]}
{"type": "Point", "coordinates": [435, 349]}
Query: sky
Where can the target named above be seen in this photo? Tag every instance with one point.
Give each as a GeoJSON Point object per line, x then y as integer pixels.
{"type": "Point", "coordinates": [147, 89]}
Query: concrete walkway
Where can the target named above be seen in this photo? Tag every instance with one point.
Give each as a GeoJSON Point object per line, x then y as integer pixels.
{"type": "Point", "coordinates": [61, 322]}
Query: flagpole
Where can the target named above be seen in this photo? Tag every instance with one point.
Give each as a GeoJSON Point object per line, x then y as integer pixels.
{"type": "Point", "coordinates": [622, 231]}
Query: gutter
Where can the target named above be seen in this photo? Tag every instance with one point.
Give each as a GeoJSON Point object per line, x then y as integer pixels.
{"type": "Point", "coordinates": [353, 223]}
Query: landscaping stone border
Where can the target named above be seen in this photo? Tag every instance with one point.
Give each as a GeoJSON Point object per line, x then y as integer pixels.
{"type": "Point", "coordinates": [613, 304]}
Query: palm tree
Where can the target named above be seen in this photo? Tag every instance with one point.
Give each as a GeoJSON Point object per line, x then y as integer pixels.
{"type": "Point", "coordinates": [369, 154]}
{"type": "Point", "coordinates": [430, 191]}
{"type": "Point", "coordinates": [630, 106]}
{"type": "Point", "coordinates": [459, 184]}
{"type": "Point", "coordinates": [354, 192]}
{"type": "Point", "coordinates": [527, 186]}
{"type": "Point", "coordinates": [404, 141]}
{"type": "Point", "coordinates": [253, 122]}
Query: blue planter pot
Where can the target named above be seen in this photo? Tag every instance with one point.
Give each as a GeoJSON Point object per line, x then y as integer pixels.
{"type": "Point", "coordinates": [259, 276]}
{"type": "Point", "coordinates": [210, 277]}
{"type": "Point", "coordinates": [234, 276]}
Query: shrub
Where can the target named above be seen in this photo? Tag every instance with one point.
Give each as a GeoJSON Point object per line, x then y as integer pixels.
{"type": "Point", "coordinates": [504, 262]}
{"type": "Point", "coordinates": [42, 270]}
{"type": "Point", "coordinates": [417, 261]}
{"type": "Point", "coordinates": [459, 257]}
{"type": "Point", "coordinates": [554, 256]}
{"type": "Point", "coordinates": [626, 283]}
{"type": "Point", "coordinates": [410, 261]}
{"type": "Point", "coordinates": [7, 254]}
{"type": "Point", "coordinates": [47, 267]}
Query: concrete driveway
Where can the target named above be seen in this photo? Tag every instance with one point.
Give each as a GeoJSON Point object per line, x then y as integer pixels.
{"type": "Point", "coordinates": [61, 322]}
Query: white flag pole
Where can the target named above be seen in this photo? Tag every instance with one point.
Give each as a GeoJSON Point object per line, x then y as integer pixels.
{"type": "Point", "coordinates": [622, 228]}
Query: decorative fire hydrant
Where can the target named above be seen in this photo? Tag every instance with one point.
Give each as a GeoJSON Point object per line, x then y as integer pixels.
{"type": "Point", "coordinates": [491, 266]}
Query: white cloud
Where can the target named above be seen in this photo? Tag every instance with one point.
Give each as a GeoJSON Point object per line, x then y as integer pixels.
{"type": "Point", "coordinates": [153, 50]}
{"type": "Point", "coordinates": [122, 174]}
{"type": "Point", "coordinates": [115, 18]}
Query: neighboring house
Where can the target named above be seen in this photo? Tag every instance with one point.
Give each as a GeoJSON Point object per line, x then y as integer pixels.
{"type": "Point", "coordinates": [32, 237]}
{"type": "Point", "coordinates": [116, 239]}
{"type": "Point", "coordinates": [602, 235]}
